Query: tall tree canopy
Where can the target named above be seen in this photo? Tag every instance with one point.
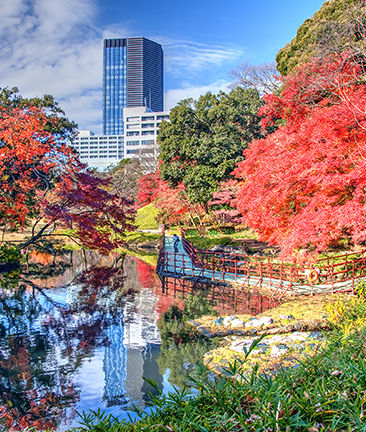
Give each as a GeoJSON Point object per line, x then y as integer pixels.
{"type": "Point", "coordinates": [44, 186]}
{"type": "Point", "coordinates": [338, 26]}
{"type": "Point", "coordinates": [205, 139]}
{"type": "Point", "coordinates": [305, 184]}
{"type": "Point", "coordinates": [56, 121]}
{"type": "Point", "coordinates": [264, 77]}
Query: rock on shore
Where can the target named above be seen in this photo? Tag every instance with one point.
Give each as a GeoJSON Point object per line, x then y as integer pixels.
{"type": "Point", "coordinates": [275, 339]}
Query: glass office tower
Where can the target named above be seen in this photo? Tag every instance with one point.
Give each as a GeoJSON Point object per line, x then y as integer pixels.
{"type": "Point", "coordinates": [132, 77]}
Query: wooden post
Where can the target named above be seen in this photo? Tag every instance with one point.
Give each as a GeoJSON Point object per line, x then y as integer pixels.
{"type": "Point", "coordinates": [183, 264]}
{"type": "Point", "coordinates": [270, 273]}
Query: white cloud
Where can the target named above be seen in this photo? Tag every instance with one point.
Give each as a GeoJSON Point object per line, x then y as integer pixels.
{"type": "Point", "coordinates": [184, 56]}
{"type": "Point", "coordinates": [10, 14]}
{"type": "Point", "coordinates": [87, 110]}
{"type": "Point", "coordinates": [173, 96]}
{"type": "Point", "coordinates": [54, 47]}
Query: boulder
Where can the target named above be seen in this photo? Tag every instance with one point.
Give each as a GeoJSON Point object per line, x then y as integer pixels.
{"type": "Point", "coordinates": [279, 350]}
{"type": "Point", "coordinates": [263, 321]}
{"type": "Point", "coordinates": [235, 323]}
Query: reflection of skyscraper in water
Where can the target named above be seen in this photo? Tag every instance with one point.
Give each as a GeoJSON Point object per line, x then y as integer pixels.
{"type": "Point", "coordinates": [132, 352]}
{"type": "Point", "coordinates": [143, 339]}
{"type": "Point", "coordinates": [115, 366]}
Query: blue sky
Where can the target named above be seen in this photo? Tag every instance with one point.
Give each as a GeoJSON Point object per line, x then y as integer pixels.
{"type": "Point", "coordinates": [55, 46]}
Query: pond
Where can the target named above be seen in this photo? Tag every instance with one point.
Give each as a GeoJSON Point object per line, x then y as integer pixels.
{"type": "Point", "coordinates": [81, 331]}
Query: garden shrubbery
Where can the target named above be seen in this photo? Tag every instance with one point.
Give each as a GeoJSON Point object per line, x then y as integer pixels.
{"type": "Point", "coordinates": [9, 254]}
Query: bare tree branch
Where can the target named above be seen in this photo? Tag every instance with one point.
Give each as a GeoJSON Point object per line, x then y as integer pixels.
{"type": "Point", "coordinates": [264, 78]}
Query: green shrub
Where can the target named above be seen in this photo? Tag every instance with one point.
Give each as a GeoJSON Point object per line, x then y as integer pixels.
{"type": "Point", "coordinates": [9, 254]}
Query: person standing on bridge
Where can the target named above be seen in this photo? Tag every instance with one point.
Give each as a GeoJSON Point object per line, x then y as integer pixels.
{"type": "Point", "coordinates": [176, 242]}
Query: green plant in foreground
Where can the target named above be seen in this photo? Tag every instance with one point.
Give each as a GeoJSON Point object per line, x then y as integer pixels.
{"type": "Point", "coordinates": [360, 289]}
{"type": "Point", "coordinates": [327, 392]}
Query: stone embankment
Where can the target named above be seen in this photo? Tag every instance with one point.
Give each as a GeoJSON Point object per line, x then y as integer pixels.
{"type": "Point", "coordinates": [278, 338]}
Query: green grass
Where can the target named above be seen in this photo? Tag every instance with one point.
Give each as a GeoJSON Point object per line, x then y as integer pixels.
{"type": "Point", "coordinates": [146, 217]}
{"type": "Point", "coordinates": [247, 234]}
{"type": "Point", "coordinates": [213, 238]}
{"type": "Point", "coordinates": [209, 242]}
{"type": "Point", "coordinates": [138, 238]}
{"type": "Point", "coordinates": [149, 258]}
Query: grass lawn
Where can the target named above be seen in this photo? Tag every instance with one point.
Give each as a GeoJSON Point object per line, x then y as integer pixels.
{"type": "Point", "coordinates": [146, 217]}
{"type": "Point", "coordinates": [212, 239]}
{"type": "Point", "coordinates": [137, 237]}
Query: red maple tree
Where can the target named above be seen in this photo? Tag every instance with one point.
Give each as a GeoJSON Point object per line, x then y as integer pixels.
{"type": "Point", "coordinates": [173, 204]}
{"type": "Point", "coordinates": [304, 186]}
{"type": "Point", "coordinates": [149, 185]}
{"type": "Point", "coordinates": [223, 203]}
{"type": "Point", "coordinates": [44, 186]}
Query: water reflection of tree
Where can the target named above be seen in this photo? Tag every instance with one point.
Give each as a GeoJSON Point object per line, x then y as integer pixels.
{"type": "Point", "coordinates": [100, 290]}
{"type": "Point", "coordinates": [182, 347]}
{"type": "Point", "coordinates": [43, 343]}
{"type": "Point", "coordinates": [181, 359]}
{"type": "Point", "coordinates": [29, 394]}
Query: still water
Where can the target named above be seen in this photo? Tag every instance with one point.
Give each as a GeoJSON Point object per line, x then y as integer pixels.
{"type": "Point", "coordinates": [80, 332]}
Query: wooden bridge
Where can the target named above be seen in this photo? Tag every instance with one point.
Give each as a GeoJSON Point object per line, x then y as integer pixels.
{"type": "Point", "coordinates": [329, 275]}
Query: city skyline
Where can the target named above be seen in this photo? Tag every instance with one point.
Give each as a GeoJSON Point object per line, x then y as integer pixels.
{"type": "Point", "coordinates": [56, 47]}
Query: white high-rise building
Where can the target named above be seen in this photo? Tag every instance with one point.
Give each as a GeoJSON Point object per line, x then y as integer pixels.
{"type": "Point", "coordinates": [99, 151]}
{"type": "Point", "coordinates": [138, 141]}
{"type": "Point", "coordinates": [141, 131]}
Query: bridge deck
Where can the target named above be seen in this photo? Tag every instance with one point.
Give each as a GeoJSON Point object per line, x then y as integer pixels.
{"type": "Point", "coordinates": [185, 264]}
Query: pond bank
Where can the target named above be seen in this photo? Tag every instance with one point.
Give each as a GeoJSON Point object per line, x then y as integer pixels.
{"type": "Point", "coordinates": [143, 240]}
{"type": "Point", "coordinates": [282, 336]}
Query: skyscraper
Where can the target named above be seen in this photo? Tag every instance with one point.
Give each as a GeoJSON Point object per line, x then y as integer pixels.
{"type": "Point", "coordinates": [132, 77]}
